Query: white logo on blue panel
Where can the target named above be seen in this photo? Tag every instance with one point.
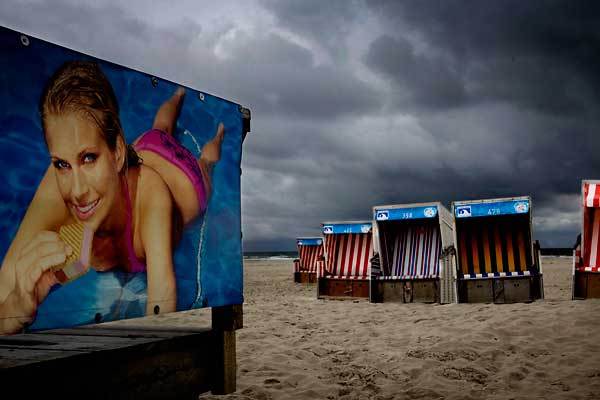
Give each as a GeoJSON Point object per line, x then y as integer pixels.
{"type": "Point", "coordinates": [328, 229]}
{"type": "Point", "coordinates": [365, 228]}
{"type": "Point", "coordinates": [430, 212]}
{"type": "Point", "coordinates": [463, 211]}
{"type": "Point", "coordinates": [319, 242]}
{"type": "Point", "coordinates": [382, 215]}
{"type": "Point", "coordinates": [521, 207]}
{"type": "Point", "coordinates": [300, 243]}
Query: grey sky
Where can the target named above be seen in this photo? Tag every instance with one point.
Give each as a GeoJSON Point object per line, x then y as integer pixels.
{"type": "Point", "coordinates": [359, 103]}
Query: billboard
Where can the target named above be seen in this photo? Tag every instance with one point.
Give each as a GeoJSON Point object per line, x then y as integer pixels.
{"type": "Point", "coordinates": [119, 194]}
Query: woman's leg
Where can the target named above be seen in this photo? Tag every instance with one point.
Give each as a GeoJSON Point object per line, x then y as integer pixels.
{"type": "Point", "coordinates": [167, 114]}
{"type": "Point", "coordinates": [209, 156]}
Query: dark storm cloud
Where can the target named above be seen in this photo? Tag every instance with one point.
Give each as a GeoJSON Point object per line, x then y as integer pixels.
{"type": "Point", "coordinates": [282, 77]}
{"type": "Point", "coordinates": [537, 54]}
{"type": "Point", "coordinates": [104, 31]}
{"type": "Point", "coordinates": [431, 82]}
{"type": "Point", "coordinates": [325, 22]}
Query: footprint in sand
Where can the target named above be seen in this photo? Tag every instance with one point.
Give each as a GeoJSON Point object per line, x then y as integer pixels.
{"type": "Point", "coordinates": [464, 374]}
{"type": "Point", "coordinates": [516, 376]}
{"type": "Point", "coordinates": [423, 393]}
{"type": "Point", "coordinates": [443, 355]}
{"type": "Point", "coordinates": [562, 386]}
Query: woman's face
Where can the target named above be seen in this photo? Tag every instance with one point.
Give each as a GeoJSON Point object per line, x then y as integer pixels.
{"type": "Point", "coordinates": [87, 171]}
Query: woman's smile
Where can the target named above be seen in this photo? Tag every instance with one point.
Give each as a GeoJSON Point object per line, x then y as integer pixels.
{"type": "Point", "coordinates": [86, 211]}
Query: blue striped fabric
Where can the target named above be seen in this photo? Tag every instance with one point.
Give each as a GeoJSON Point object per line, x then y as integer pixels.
{"type": "Point", "coordinates": [416, 252]}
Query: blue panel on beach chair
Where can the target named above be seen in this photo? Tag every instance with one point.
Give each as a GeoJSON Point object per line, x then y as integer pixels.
{"type": "Point", "coordinates": [340, 228]}
{"type": "Point", "coordinates": [384, 214]}
{"type": "Point", "coordinates": [486, 209]}
{"type": "Point", "coordinates": [309, 241]}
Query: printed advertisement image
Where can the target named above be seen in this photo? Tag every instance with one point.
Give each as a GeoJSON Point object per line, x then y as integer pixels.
{"type": "Point", "coordinates": [119, 192]}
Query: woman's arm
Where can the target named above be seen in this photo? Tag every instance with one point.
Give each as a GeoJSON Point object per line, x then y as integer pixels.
{"type": "Point", "coordinates": [156, 224]}
{"type": "Point", "coordinates": [24, 280]}
{"type": "Point", "coordinates": [46, 212]}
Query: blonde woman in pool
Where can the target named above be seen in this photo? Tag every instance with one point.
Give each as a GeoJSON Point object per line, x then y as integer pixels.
{"type": "Point", "coordinates": [136, 209]}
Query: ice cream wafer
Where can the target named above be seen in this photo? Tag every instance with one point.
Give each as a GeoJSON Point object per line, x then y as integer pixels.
{"type": "Point", "coordinates": [79, 238]}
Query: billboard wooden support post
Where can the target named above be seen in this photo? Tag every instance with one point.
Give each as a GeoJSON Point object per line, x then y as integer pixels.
{"type": "Point", "coordinates": [225, 321]}
{"type": "Point", "coordinates": [123, 362]}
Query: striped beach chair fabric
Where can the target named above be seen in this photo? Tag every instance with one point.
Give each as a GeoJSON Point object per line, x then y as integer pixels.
{"type": "Point", "coordinates": [348, 255]}
{"type": "Point", "coordinates": [494, 249]}
{"type": "Point", "coordinates": [494, 238]}
{"type": "Point", "coordinates": [589, 257]}
{"type": "Point", "coordinates": [410, 240]}
{"type": "Point", "coordinates": [348, 250]}
{"type": "Point", "coordinates": [309, 251]}
{"type": "Point", "coordinates": [416, 252]}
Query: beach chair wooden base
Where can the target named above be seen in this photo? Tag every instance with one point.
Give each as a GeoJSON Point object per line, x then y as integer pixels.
{"type": "Point", "coordinates": [305, 277]}
{"type": "Point", "coordinates": [405, 291]}
{"type": "Point", "coordinates": [587, 285]}
{"type": "Point", "coordinates": [343, 288]}
{"type": "Point", "coordinates": [94, 362]}
{"type": "Point", "coordinates": [500, 290]}
{"type": "Point", "coordinates": [478, 291]}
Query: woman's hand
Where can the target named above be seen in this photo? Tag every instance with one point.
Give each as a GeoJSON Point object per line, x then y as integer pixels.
{"type": "Point", "coordinates": [33, 279]}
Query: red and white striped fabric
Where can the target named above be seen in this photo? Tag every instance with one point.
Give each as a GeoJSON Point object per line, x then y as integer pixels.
{"type": "Point", "coordinates": [416, 252]}
{"type": "Point", "coordinates": [591, 195]}
{"type": "Point", "coordinates": [578, 262]}
{"type": "Point", "coordinates": [330, 244]}
{"type": "Point", "coordinates": [320, 268]}
{"type": "Point", "coordinates": [309, 256]}
{"type": "Point", "coordinates": [591, 228]}
{"type": "Point", "coordinates": [348, 255]}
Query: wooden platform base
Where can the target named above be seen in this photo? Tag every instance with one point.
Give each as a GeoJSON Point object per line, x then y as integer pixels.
{"type": "Point", "coordinates": [305, 277]}
{"type": "Point", "coordinates": [405, 291]}
{"type": "Point", "coordinates": [121, 363]}
{"type": "Point", "coordinates": [343, 288]}
{"type": "Point", "coordinates": [586, 285]}
{"type": "Point", "coordinates": [500, 290]}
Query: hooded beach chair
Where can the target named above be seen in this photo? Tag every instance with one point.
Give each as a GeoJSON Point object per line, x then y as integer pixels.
{"type": "Point", "coordinates": [497, 260]}
{"type": "Point", "coordinates": [410, 239]}
{"type": "Point", "coordinates": [310, 252]}
{"type": "Point", "coordinates": [586, 260]}
{"type": "Point", "coordinates": [348, 251]}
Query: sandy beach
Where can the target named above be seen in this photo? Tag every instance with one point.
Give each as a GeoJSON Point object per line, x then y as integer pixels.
{"type": "Point", "coordinates": [294, 346]}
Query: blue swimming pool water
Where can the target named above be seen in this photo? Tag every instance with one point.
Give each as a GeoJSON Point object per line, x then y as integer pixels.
{"type": "Point", "coordinates": [208, 261]}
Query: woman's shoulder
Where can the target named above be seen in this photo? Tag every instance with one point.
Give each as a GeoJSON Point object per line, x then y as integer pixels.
{"type": "Point", "coordinates": [154, 204]}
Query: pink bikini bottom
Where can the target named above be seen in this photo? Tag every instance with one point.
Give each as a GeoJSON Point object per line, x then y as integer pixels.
{"type": "Point", "coordinates": [171, 150]}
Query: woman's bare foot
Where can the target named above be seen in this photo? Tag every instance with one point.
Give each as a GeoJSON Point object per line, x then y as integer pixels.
{"type": "Point", "coordinates": [167, 114]}
{"type": "Point", "coordinates": [211, 152]}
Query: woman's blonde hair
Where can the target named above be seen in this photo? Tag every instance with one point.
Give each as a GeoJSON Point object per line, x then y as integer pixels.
{"type": "Point", "coordinates": [82, 87]}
